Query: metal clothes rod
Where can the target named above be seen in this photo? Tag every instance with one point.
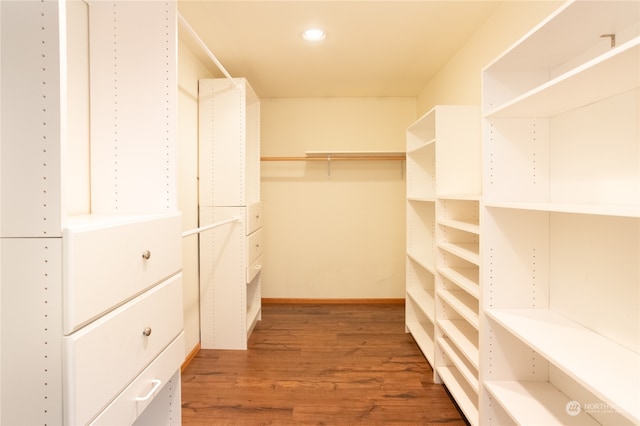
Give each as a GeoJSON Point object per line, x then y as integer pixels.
{"type": "Point", "coordinates": [204, 47]}
{"type": "Point", "coordinates": [211, 226]}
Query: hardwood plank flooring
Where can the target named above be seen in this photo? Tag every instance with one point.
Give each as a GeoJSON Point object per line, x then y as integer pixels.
{"type": "Point", "coordinates": [317, 364]}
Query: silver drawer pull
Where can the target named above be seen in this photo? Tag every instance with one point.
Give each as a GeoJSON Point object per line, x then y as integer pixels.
{"type": "Point", "coordinates": [147, 331]}
{"type": "Point", "coordinates": [146, 254]}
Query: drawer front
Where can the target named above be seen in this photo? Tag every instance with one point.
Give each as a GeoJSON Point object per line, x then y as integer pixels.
{"type": "Point", "coordinates": [126, 408]}
{"type": "Point", "coordinates": [104, 266]}
{"type": "Point", "coordinates": [104, 357]}
{"type": "Point", "coordinates": [254, 269]}
{"type": "Point", "coordinates": [254, 217]}
{"type": "Point", "coordinates": [254, 246]}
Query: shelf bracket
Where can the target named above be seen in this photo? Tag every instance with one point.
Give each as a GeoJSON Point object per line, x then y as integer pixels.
{"type": "Point", "coordinates": [612, 37]}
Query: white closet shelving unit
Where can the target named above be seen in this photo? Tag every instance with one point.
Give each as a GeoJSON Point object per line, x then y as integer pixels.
{"type": "Point", "coordinates": [90, 284]}
{"type": "Point", "coordinates": [561, 222]}
{"type": "Point", "coordinates": [231, 254]}
{"type": "Point", "coordinates": [443, 195]}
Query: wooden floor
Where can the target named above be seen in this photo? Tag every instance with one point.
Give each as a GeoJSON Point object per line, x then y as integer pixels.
{"type": "Point", "coordinates": [321, 365]}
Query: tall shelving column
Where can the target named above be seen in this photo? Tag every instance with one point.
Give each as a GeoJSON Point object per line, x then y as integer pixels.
{"type": "Point", "coordinates": [230, 255]}
{"type": "Point", "coordinates": [560, 221]}
{"type": "Point", "coordinates": [458, 189]}
{"type": "Point", "coordinates": [421, 210]}
{"type": "Point", "coordinates": [443, 192]}
{"type": "Point", "coordinates": [54, 95]}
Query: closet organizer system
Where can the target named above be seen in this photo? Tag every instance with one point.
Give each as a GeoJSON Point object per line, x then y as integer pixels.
{"type": "Point", "coordinates": [538, 321]}
{"type": "Point", "coordinates": [91, 294]}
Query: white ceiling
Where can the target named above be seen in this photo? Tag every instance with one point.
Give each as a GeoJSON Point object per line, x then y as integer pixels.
{"type": "Point", "coordinates": [372, 48]}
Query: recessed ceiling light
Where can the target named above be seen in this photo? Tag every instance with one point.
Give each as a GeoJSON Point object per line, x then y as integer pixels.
{"type": "Point", "coordinates": [314, 34]}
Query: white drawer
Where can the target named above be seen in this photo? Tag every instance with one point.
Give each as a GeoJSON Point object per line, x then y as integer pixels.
{"type": "Point", "coordinates": [254, 217]}
{"type": "Point", "coordinates": [254, 269]}
{"type": "Point", "coordinates": [104, 263]}
{"type": "Point", "coordinates": [102, 358]}
{"type": "Point", "coordinates": [128, 406]}
{"type": "Point", "coordinates": [254, 246]}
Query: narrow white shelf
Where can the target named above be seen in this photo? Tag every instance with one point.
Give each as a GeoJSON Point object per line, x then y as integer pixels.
{"type": "Point", "coordinates": [465, 278]}
{"type": "Point", "coordinates": [592, 209]}
{"type": "Point", "coordinates": [423, 145]}
{"type": "Point", "coordinates": [459, 197]}
{"type": "Point", "coordinates": [422, 199]}
{"type": "Point", "coordinates": [463, 303]}
{"type": "Point", "coordinates": [536, 403]}
{"type": "Point", "coordinates": [467, 251]}
{"type": "Point", "coordinates": [471, 377]}
{"type": "Point", "coordinates": [566, 92]}
{"type": "Point", "coordinates": [459, 332]}
{"type": "Point", "coordinates": [422, 338]}
{"type": "Point", "coordinates": [470, 227]}
{"type": "Point", "coordinates": [607, 369]}
{"type": "Point", "coordinates": [456, 385]}
{"type": "Point", "coordinates": [421, 262]}
{"type": "Point", "coordinates": [423, 301]}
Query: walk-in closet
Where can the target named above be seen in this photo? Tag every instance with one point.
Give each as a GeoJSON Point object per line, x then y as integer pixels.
{"type": "Point", "coordinates": [219, 212]}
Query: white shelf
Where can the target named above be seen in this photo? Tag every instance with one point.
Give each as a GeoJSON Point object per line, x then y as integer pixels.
{"type": "Point", "coordinates": [592, 209]}
{"type": "Point", "coordinates": [566, 92]}
{"type": "Point", "coordinates": [422, 199]}
{"type": "Point", "coordinates": [422, 338]}
{"type": "Point", "coordinates": [465, 278]}
{"type": "Point", "coordinates": [536, 403]}
{"type": "Point", "coordinates": [422, 301]}
{"type": "Point", "coordinates": [460, 197]}
{"type": "Point", "coordinates": [471, 377]}
{"type": "Point", "coordinates": [467, 251]}
{"type": "Point", "coordinates": [463, 303]}
{"type": "Point", "coordinates": [423, 145]}
{"type": "Point", "coordinates": [424, 264]}
{"type": "Point", "coordinates": [608, 370]}
{"type": "Point", "coordinates": [459, 332]}
{"type": "Point", "coordinates": [456, 385]}
{"type": "Point", "coordinates": [470, 227]}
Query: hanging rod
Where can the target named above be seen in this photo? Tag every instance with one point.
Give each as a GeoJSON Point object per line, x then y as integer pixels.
{"type": "Point", "coordinates": [338, 158]}
{"type": "Point", "coordinates": [204, 47]}
{"type": "Point", "coordinates": [343, 155]}
{"type": "Point", "coordinates": [213, 225]}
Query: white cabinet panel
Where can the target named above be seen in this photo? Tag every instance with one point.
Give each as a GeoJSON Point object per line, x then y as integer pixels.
{"type": "Point", "coordinates": [107, 263]}
{"type": "Point", "coordinates": [133, 107]}
{"type": "Point", "coordinates": [30, 293]}
{"type": "Point", "coordinates": [102, 358]}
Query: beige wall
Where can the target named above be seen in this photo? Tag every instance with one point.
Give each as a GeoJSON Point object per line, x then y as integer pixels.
{"type": "Point", "coordinates": [189, 71]}
{"type": "Point", "coordinates": [337, 236]}
{"type": "Point", "coordinates": [458, 82]}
